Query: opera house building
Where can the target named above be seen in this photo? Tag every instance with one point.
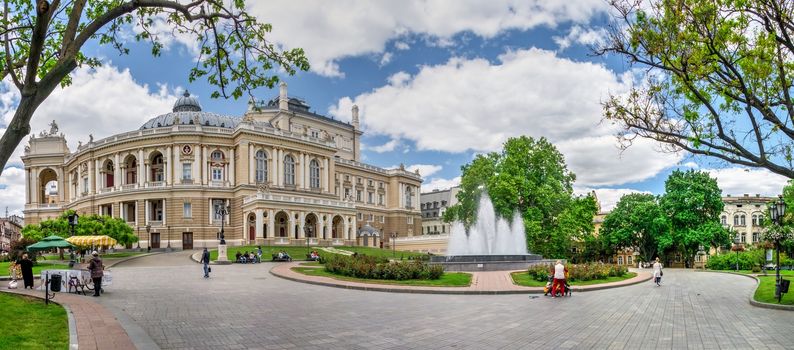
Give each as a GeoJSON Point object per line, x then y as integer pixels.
{"type": "Point", "coordinates": [284, 174]}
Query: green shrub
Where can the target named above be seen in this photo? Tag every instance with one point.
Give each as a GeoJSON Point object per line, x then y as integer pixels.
{"type": "Point", "coordinates": [747, 259]}
{"type": "Point", "coordinates": [756, 268]}
{"type": "Point", "coordinates": [364, 266]}
{"type": "Point", "coordinates": [579, 272]}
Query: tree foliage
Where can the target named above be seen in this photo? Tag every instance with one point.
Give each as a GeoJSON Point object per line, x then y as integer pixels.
{"type": "Point", "coordinates": [43, 41]}
{"type": "Point", "coordinates": [637, 221]}
{"type": "Point", "coordinates": [529, 177]}
{"type": "Point", "coordinates": [692, 201]}
{"type": "Point", "coordinates": [88, 225]}
{"type": "Point", "coordinates": [718, 78]}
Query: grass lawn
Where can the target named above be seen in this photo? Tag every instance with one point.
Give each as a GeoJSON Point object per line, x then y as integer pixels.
{"type": "Point", "coordinates": [766, 291]}
{"type": "Point", "coordinates": [449, 279]}
{"type": "Point", "coordinates": [299, 252]}
{"type": "Point", "coordinates": [36, 268]}
{"type": "Point", "coordinates": [29, 324]}
{"type": "Point", "coordinates": [522, 278]}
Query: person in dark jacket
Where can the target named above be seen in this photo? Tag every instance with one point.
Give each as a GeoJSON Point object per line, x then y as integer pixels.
{"type": "Point", "coordinates": [96, 268]}
{"type": "Point", "coordinates": [26, 266]}
{"type": "Point", "coordinates": [205, 259]}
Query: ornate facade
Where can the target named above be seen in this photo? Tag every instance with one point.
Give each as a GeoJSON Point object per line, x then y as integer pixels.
{"type": "Point", "coordinates": [286, 175]}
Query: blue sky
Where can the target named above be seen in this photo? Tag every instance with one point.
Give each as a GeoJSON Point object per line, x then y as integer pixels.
{"type": "Point", "coordinates": [437, 83]}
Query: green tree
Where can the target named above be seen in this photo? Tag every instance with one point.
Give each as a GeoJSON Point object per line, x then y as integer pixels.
{"type": "Point", "coordinates": [43, 42]}
{"type": "Point", "coordinates": [529, 177]}
{"type": "Point", "coordinates": [88, 225]}
{"type": "Point", "coordinates": [637, 221]}
{"type": "Point", "coordinates": [718, 78]}
{"type": "Point", "coordinates": [693, 203]}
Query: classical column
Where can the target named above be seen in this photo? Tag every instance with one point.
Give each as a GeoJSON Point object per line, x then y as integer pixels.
{"type": "Point", "coordinates": [299, 161]}
{"type": "Point", "coordinates": [97, 175]}
{"type": "Point", "coordinates": [279, 166]}
{"type": "Point", "coordinates": [141, 169]}
{"type": "Point", "coordinates": [291, 227]}
{"type": "Point", "coordinates": [251, 165]}
{"type": "Point", "coordinates": [196, 167]}
{"type": "Point", "coordinates": [346, 234]}
{"type": "Point", "coordinates": [271, 230]}
{"type": "Point", "coordinates": [329, 226]}
{"type": "Point", "coordinates": [146, 212]}
{"type": "Point", "coordinates": [326, 175]}
{"type": "Point", "coordinates": [165, 210]}
{"type": "Point", "coordinates": [232, 168]}
{"type": "Point", "coordinates": [177, 168]}
{"type": "Point", "coordinates": [301, 224]}
{"type": "Point", "coordinates": [259, 228]}
{"type": "Point", "coordinates": [167, 162]}
{"type": "Point", "coordinates": [203, 165]}
{"type": "Point", "coordinates": [116, 171]}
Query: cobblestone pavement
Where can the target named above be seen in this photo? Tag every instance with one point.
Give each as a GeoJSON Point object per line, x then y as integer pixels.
{"type": "Point", "coordinates": [244, 307]}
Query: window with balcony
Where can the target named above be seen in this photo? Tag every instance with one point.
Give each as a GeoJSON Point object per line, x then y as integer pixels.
{"type": "Point", "coordinates": [261, 166]}
{"type": "Point", "coordinates": [370, 197]}
{"type": "Point", "coordinates": [369, 183]}
{"type": "Point", "coordinates": [358, 196]}
{"type": "Point", "coordinates": [380, 199]}
{"type": "Point", "coordinates": [347, 193]}
{"type": "Point", "coordinates": [314, 174]}
{"type": "Point", "coordinates": [289, 170]}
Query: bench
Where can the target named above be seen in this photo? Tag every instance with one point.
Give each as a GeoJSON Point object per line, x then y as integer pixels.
{"type": "Point", "coordinates": [285, 258]}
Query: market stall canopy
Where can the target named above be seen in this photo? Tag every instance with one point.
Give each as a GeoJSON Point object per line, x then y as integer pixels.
{"type": "Point", "coordinates": [49, 243]}
{"type": "Point", "coordinates": [89, 241]}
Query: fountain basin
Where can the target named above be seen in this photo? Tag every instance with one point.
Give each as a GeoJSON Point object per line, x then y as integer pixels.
{"type": "Point", "coordinates": [488, 262]}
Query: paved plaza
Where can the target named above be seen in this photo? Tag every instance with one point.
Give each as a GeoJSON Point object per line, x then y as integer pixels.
{"type": "Point", "coordinates": [164, 300]}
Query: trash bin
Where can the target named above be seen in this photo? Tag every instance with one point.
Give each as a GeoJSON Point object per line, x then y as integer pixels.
{"type": "Point", "coordinates": [784, 285]}
{"type": "Point", "coordinates": [55, 283]}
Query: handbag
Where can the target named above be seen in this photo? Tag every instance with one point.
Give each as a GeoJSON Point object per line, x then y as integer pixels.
{"type": "Point", "coordinates": [661, 273]}
{"type": "Point", "coordinates": [209, 269]}
{"type": "Point", "coordinates": [12, 284]}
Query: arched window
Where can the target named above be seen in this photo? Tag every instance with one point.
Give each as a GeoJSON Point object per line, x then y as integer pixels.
{"type": "Point", "coordinates": [217, 156]}
{"type": "Point", "coordinates": [289, 170]}
{"type": "Point", "coordinates": [157, 168]}
{"type": "Point", "coordinates": [736, 220]}
{"type": "Point", "coordinates": [261, 166]}
{"type": "Point", "coordinates": [314, 174]}
{"type": "Point", "coordinates": [724, 220]}
{"type": "Point", "coordinates": [742, 221]}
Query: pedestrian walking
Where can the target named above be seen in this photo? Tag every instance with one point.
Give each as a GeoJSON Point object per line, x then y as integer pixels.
{"type": "Point", "coordinates": [97, 271]}
{"type": "Point", "coordinates": [26, 266]}
{"type": "Point", "coordinates": [205, 259]}
{"type": "Point", "coordinates": [657, 272]}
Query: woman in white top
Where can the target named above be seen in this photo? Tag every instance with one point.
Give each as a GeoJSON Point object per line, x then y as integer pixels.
{"type": "Point", "coordinates": [657, 272]}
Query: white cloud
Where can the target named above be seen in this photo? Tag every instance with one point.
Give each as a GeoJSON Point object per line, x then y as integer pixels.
{"type": "Point", "coordinates": [386, 147]}
{"type": "Point", "coordinates": [12, 190]}
{"type": "Point", "coordinates": [102, 101]}
{"type": "Point", "coordinates": [583, 36]}
{"type": "Point", "coordinates": [476, 105]}
{"type": "Point", "coordinates": [738, 181]}
{"type": "Point", "coordinates": [692, 165]}
{"type": "Point", "coordinates": [385, 59]}
{"type": "Point", "coordinates": [401, 45]}
{"type": "Point", "coordinates": [439, 184]}
{"type": "Point", "coordinates": [331, 30]}
{"type": "Point", "coordinates": [608, 197]}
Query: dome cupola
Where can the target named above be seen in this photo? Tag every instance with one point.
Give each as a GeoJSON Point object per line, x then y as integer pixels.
{"type": "Point", "coordinates": [187, 103]}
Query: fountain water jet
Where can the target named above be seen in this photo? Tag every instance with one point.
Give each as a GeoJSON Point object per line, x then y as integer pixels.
{"type": "Point", "coordinates": [490, 244]}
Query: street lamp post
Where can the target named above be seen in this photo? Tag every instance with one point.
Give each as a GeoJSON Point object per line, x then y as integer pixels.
{"type": "Point", "coordinates": [223, 212]}
{"type": "Point", "coordinates": [149, 234]}
{"type": "Point", "coordinates": [393, 244]}
{"type": "Point", "coordinates": [139, 238]}
{"type": "Point", "coordinates": [776, 212]}
{"type": "Point", "coordinates": [168, 237]}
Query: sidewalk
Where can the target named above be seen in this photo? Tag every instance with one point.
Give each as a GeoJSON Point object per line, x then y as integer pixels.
{"type": "Point", "coordinates": [485, 282]}
{"type": "Point", "coordinates": [95, 325]}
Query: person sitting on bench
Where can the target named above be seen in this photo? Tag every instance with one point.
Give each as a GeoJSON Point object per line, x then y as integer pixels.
{"type": "Point", "coordinates": [237, 257]}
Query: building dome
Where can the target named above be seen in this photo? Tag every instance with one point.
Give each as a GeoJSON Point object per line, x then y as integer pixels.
{"type": "Point", "coordinates": [187, 103]}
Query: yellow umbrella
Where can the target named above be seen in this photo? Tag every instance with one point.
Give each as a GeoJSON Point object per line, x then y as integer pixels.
{"type": "Point", "coordinates": [88, 241]}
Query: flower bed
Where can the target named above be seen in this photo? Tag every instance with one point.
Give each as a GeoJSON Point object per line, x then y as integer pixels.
{"type": "Point", "coordinates": [580, 272]}
{"type": "Point", "coordinates": [364, 266]}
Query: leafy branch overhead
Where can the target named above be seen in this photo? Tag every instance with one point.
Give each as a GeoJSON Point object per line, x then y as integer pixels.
{"type": "Point", "coordinates": [718, 78]}
{"type": "Point", "coordinates": [43, 43]}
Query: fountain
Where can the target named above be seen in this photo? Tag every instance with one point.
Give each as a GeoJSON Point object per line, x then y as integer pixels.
{"type": "Point", "coordinates": [491, 244]}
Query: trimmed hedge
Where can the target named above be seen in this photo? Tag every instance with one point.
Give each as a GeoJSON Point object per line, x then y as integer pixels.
{"type": "Point", "coordinates": [363, 266]}
{"type": "Point", "coordinates": [580, 272]}
{"type": "Point", "coordinates": [748, 260]}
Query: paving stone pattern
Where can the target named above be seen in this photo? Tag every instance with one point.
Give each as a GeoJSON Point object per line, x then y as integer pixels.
{"type": "Point", "coordinates": [244, 307]}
